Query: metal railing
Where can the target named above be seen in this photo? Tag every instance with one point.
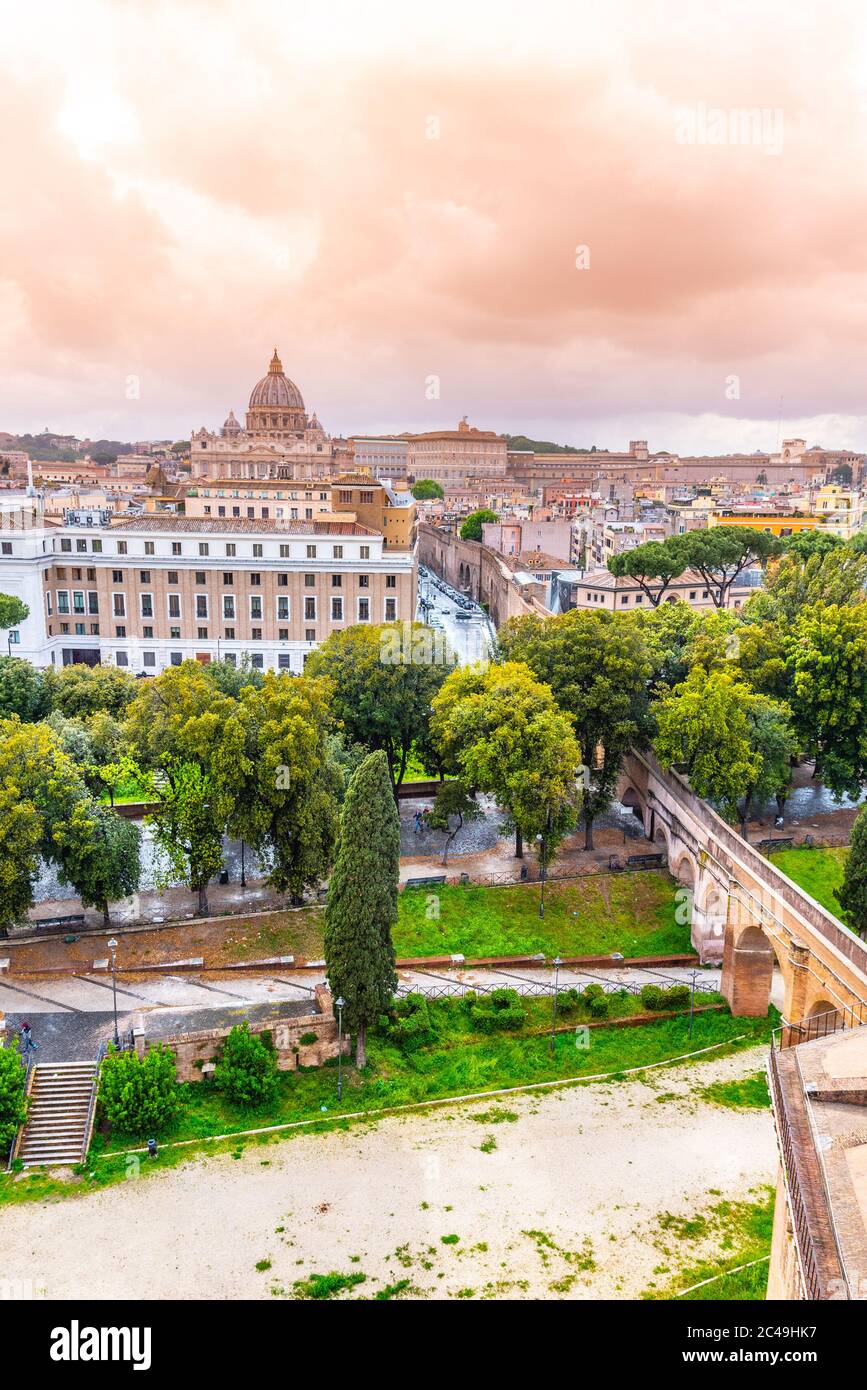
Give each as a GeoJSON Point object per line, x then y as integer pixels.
{"type": "Point", "coordinates": [820, 1025]}
{"type": "Point", "coordinates": [808, 1263]}
{"type": "Point", "coordinates": [28, 1083]}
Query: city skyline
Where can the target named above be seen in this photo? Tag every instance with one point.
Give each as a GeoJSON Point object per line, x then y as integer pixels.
{"type": "Point", "coordinates": [548, 226]}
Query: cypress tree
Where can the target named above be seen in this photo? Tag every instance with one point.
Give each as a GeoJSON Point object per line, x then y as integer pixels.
{"type": "Point", "coordinates": [852, 895]}
{"type": "Point", "coordinates": [362, 900]}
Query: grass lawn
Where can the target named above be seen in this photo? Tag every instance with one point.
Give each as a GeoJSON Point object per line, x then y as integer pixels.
{"type": "Point", "coordinates": [751, 1093]}
{"type": "Point", "coordinates": [630, 913]}
{"type": "Point", "coordinates": [742, 1232]}
{"type": "Point", "coordinates": [457, 1063]}
{"type": "Point", "coordinates": [818, 871]}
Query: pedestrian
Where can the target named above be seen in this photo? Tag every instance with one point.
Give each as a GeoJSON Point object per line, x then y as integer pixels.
{"type": "Point", "coordinates": [417, 819]}
{"type": "Point", "coordinates": [27, 1039]}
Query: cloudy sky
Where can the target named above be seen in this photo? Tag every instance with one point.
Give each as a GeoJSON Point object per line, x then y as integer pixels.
{"type": "Point", "coordinates": [559, 219]}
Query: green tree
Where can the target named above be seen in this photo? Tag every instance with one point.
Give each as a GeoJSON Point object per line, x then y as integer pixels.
{"type": "Point", "coordinates": [827, 657]}
{"type": "Point", "coordinates": [80, 690]}
{"type": "Point", "coordinates": [384, 680]}
{"type": "Point", "coordinates": [12, 611]}
{"type": "Point", "coordinates": [805, 544]}
{"type": "Point", "coordinates": [13, 1104]}
{"type": "Point", "coordinates": [836, 574]}
{"type": "Point", "coordinates": [361, 909]}
{"type": "Point", "coordinates": [101, 856]}
{"type": "Point", "coordinates": [773, 738]}
{"type": "Point", "coordinates": [188, 828]}
{"type": "Point", "coordinates": [598, 669]}
{"type": "Point", "coordinates": [246, 1069]}
{"type": "Point", "coordinates": [139, 1095]}
{"type": "Point", "coordinates": [504, 731]}
{"type": "Point", "coordinates": [653, 566]}
{"type": "Point", "coordinates": [426, 489]}
{"type": "Point", "coordinates": [454, 806]}
{"type": "Point", "coordinates": [471, 530]}
{"type": "Point", "coordinates": [703, 726]}
{"type": "Point", "coordinates": [721, 554]}
{"type": "Point", "coordinates": [852, 896]}
{"type": "Point", "coordinates": [23, 690]}
{"type": "Point", "coordinates": [231, 680]}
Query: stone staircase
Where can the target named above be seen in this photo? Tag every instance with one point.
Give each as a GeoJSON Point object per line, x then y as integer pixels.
{"type": "Point", "coordinates": [57, 1129]}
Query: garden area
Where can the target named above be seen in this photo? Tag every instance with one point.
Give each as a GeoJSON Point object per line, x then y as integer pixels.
{"type": "Point", "coordinates": [818, 871]}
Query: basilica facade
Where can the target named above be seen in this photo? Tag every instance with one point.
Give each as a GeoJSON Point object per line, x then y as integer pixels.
{"type": "Point", "coordinates": [278, 439]}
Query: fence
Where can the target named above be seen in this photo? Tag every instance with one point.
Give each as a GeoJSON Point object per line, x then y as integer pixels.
{"type": "Point", "coordinates": [791, 1142]}
{"type": "Point", "coordinates": [528, 873]}
{"type": "Point", "coordinates": [446, 987]}
{"type": "Point", "coordinates": [820, 1025]}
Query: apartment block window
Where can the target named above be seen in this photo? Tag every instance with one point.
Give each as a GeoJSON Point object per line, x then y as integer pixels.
{"type": "Point", "coordinates": [147, 605]}
{"type": "Point", "coordinates": [310, 634]}
{"type": "Point", "coordinates": [390, 610]}
{"type": "Point", "coordinates": [366, 498]}
{"type": "Point", "coordinates": [120, 632]}
{"type": "Point", "coordinates": [94, 630]}
{"type": "Point", "coordinates": [311, 552]}
{"type": "Point", "coordinates": [230, 547]}
{"type": "Point", "coordinates": [230, 634]}
{"type": "Point", "coordinates": [201, 577]}
{"type": "Point", "coordinates": [257, 551]}
{"type": "Point", "coordinates": [177, 548]}
{"type": "Point", "coordinates": [203, 548]}
{"type": "Point", "coordinates": [144, 576]}
{"type": "Point", "coordinates": [345, 496]}
{"type": "Point", "coordinates": [62, 601]}
{"type": "Point", "coordinates": [364, 581]}
{"type": "Point", "coordinates": [149, 548]}
{"type": "Point", "coordinates": [121, 547]}
{"type": "Point", "coordinates": [81, 547]}
{"type": "Point", "coordinates": [284, 661]}
{"type": "Point", "coordinates": [337, 610]}
{"type": "Point", "coordinates": [174, 605]}
{"type": "Point", "coordinates": [79, 629]}
{"type": "Point", "coordinates": [172, 576]}
{"type": "Point", "coordinates": [147, 632]}
{"type": "Point", "coordinates": [118, 605]}
{"type": "Point", "coordinates": [150, 658]}
{"type": "Point", "coordinates": [176, 658]}
{"type": "Point", "coordinates": [49, 606]}
{"type": "Point", "coordinates": [122, 659]}
{"type": "Point", "coordinates": [365, 552]}
{"type": "Point", "coordinates": [257, 661]}
{"type": "Point", "coordinates": [255, 579]}
{"type": "Point", "coordinates": [285, 552]}
{"type": "Point", "coordinates": [91, 574]}
{"type": "Point", "coordinates": [255, 605]}
{"type": "Point", "coordinates": [391, 581]}
{"type": "Point", "coordinates": [92, 601]}
{"type": "Point", "coordinates": [283, 606]}
{"type": "Point", "coordinates": [310, 581]}
{"type": "Point", "coordinates": [221, 511]}
{"type": "Point", "coordinates": [337, 581]}
{"type": "Point", "coordinates": [364, 610]}
{"type": "Point", "coordinates": [65, 544]}
{"type": "Point", "coordinates": [201, 605]}
{"type": "Point", "coordinates": [229, 606]}
{"type": "Point", "coordinates": [230, 656]}
{"type": "Point", "coordinates": [256, 634]}
{"type": "Point", "coordinates": [7, 550]}
{"type": "Point", "coordinates": [282, 581]}
{"type": "Point", "coordinates": [203, 634]}
{"type": "Point", "coordinates": [310, 609]}
{"type": "Point", "coordinates": [96, 546]}
{"type": "Point", "coordinates": [283, 634]}
{"type": "Point", "coordinates": [175, 634]}
{"type": "Point", "coordinates": [338, 552]}
{"type": "Point", "coordinates": [77, 601]}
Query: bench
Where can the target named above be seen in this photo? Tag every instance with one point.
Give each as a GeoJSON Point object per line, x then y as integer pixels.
{"type": "Point", "coordinates": [637, 861]}
{"type": "Point", "coordinates": [425, 882]}
{"type": "Point", "coordinates": [75, 919]}
{"type": "Point", "coordinates": [768, 846]}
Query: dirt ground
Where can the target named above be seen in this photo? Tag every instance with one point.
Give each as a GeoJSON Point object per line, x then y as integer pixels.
{"type": "Point", "coordinates": [542, 1195]}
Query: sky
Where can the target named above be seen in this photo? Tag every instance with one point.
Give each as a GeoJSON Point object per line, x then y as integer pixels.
{"type": "Point", "coordinates": [583, 222]}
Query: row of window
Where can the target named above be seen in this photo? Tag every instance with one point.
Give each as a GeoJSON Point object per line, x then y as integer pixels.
{"type": "Point", "coordinates": [312, 550]}
{"type": "Point", "coordinates": [231, 610]}
{"type": "Point", "coordinates": [253, 576]}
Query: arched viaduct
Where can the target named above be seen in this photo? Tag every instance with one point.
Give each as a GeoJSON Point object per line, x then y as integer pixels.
{"type": "Point", "coordinates": [748, 915]}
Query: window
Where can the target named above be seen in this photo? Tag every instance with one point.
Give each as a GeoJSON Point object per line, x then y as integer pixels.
{"type": "Point", "coordinates": [122, 659]}
{"type": "Point", "coordinates": [364, 581]}
{"type": "Point", "coordinates": [255, 605]}
{"type": "Point", "coordinates": [284, 661]}
{"type": "Point", "coordinates": [96, 546]}
{"type": "Point", "coordinates": [282, 581]}
{"type": "Point", "coordinates": [175, 633]}
{"type": "Point", "coordinates": [283, 634]}
{"type": "Point", "coordinates": [203, 634]}
{"type": "Point", "coordinates": [255, 579]}
{"type": "Point", "coordinates": [229, 606]}
{"type": "Point", "coordinates": [256, 634]}
{"type": "Point", "coordinates": [81, 547]}
{"type": "Point", "coordinates": [94, 629]}
{"type": "Point", "coordinates": [92, 601]}
{"type": "Point", "coordinates": [257, 661]}
{"type": "Point", "coordinates": [310, 634]}
{"type": "Point", "coordinates": [121, 547]}
{"type": "Point", "coordinates": [390, 610]}
{"type": "Point", "coordinates": [149, 548]}
{"type": "Point", "coordinates": [228, 577]}
{"type": "Point", "coordinates": [7, 549]}
{"type": "Point", "coordinates": [118, 608]}
{"type": "Point", "coordinates": [77, 601]}
{"type": "Point", "coordinates": [310, 608]}
{"type": "Point", "coordinates": [230, 547]}
{"type": "Point", "coordinates": [144, 576]}
{"type": "Point", "coordinates": [201, 577]}
{"type": "Point", "coordinates": [391, 581]}
{"type": "Point", "coordinates": [177, 548]}
{"type": "Point", "coordinates": [201, 605]}
{"type": "Point", "coordinates": [285, 552]}
{"type": "Point", "coordinates": [147, 605]}
{"type": "Point", "coordinates": [203, 548]}
{"type": "Point", "coordinates": [65, 545]}
{"type": "Point", "coordinates": [230, 656]}
{"type": "Point", "coordinates": [174, 605]}
{"type": "Point", "coordinates": [338, 552]}
{"type": "Point", "coordinates": [310, 581]}
{"type": "Point", "coordinates": [173, 577]}
{"type": "Point", "coordinates": [337, 581]}
{"type": "Point", "coordinates": [150, 658]}
{"type": "Point", "coordinates": [365, 552]}
{"type": "Point", "coordinates": [366, 498]}
{"type": "Point", "coordinates": [147, 632]}
{"type": "Point", "coordinates": [311, 552]}
{"type": "Point", "coordinates": [283, 606]}
{"type": "Point", "coordinates": [117, 576]}
{"type": "Point", "coordinates": [337, 610]}
{"type": "Point", "coordinates": [257, 551]}
{"type": "Point", "coordinates": [120, 632]}
{"type": "Point", "coordinates": [79, 629]}
{"type": "Point", "coordinates": [364, 610]}
{"type": "Point", "coordinates": [62, 601]}
{"type": "Point", "coordinates": [176, 658]}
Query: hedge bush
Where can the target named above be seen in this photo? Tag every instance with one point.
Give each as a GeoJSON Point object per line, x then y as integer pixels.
{"type": "Point", "coordinates": [13, 1105]}
{"type": "Point", "coordinates": [139, 1095]}
{"type": "Point", "coordinates": [247, 1067]}
{"type": "Point", "coordinates": [654, 997]}
{"type": "Point", "coordinates": [500, 1011]}
{"type": "Point", "coordinates": [409, 1024]}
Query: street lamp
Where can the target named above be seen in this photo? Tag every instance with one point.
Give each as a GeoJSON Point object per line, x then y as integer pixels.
{"type": "Point", "coordinates": [339, 1003]}
{"type": "Point", "coordinates": [540, 840]}
{"type": "Point", "coordinates": [557, 963]}
{"type": "Point", "coordinates": [692, 1001]}
{"type": "Point", "coordinates": [112, 946]}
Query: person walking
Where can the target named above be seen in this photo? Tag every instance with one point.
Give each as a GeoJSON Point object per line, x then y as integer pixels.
{"type": "Point", "coordinates": [417, 819]}
{"type": "Point", "coordinates": [27, 1039]}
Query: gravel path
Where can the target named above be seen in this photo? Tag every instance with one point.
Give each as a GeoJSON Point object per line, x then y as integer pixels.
{"type": "Point", "coordinates": [551, 1195]}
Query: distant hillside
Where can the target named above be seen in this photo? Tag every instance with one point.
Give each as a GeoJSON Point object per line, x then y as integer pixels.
{"type": "Point", "coordinates": [546, 446]}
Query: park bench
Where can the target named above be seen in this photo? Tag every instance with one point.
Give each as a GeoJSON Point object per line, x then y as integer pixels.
{"type": "Point", "coordinates": [637, 861]}
{"type": "Point", "coordinates": [768, 846]}
{"type": "Point", "coordinates": [431, 882]}
{"type": "Point", "coordinates": [74, 919]}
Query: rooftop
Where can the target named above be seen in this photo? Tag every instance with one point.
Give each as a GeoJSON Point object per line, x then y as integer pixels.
{"type": "Point", "coordinates": [167, 524]}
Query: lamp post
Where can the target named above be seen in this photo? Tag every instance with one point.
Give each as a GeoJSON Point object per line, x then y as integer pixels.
{"type": "Point", "coordinates": [112, 946]}
{"type": "Point", "coordinates": [557, 963]}
{"type": "Point", "coordinates": [692, 1002]}
{"type": "Point", "coordinates": [243, 869]}
{"type": "Point", "coordinates": [540, 840]}
{"type": "Point", "coordinates": [339, 1003]}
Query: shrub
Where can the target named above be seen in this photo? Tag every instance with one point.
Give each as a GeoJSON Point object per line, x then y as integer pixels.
{"type": "Point", "coordinates": [500, 1011]}
{"type": "Point", "coordinates": [247, 1069]}
{"type": "Point", "coordinates": [13, 1105]}
{"type": "Point", "coordinates": [598, 1005]}
{"type": "Point", "coordinates": [569, 999]}
{"type": "Point", "coordinates": [139, 1095]}
{"type": "Point", "coordinates": [652, 997]}
{"type": "Point", "coordinates": [307, 1039]}
{"type": "Point", "coordinates": [409, 1025]}
{"type": "Point", "coordinates": [677, 997]}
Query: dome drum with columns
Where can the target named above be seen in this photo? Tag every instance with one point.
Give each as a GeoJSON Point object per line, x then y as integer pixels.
{"type": "Point", "coordinates": [279, 439]}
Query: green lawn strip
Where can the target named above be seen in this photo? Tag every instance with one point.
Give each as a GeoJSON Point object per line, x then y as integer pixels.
{"type": "Point", "coordinates": [749, 1093]}
{"type": "Point", "coordinates": [818, 871]}
{"type": "Point", "coordinates": [742, 1232]}
{"type": "Point", "coordinates": [596, 915]}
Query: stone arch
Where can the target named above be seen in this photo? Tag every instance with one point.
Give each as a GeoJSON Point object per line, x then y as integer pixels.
{"type": "Point", "coordinates": [682, 866]}
{"type": "Point", "coordinates": [748, 970]}
{"type": "Point", "coordinates": [632, 799]}
{"type": "Point", "coordinates": [709, 918]}
{"type": "Point", "coordinates": [821, 1018]}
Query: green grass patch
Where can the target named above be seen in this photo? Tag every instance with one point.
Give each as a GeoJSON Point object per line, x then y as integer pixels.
{"type": "Point", "coordinates": [750, 1093]}
{"type": "Point", "coordinates": [741, 1233]}
{"type": "Point", "coordinates": [326, 1285]}
{"type": "Point", "coordinates": [818, 871]}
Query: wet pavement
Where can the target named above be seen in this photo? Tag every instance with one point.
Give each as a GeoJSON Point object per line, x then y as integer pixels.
{"type": "Point", "coordinates": [470, 638]}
